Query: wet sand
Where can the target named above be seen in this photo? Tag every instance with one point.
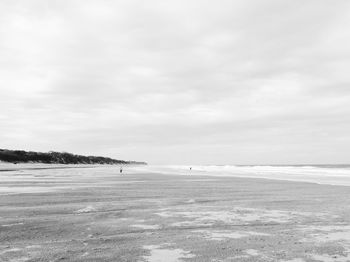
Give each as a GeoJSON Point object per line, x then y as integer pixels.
{"type": "Point", "coordinates": [96, 214]}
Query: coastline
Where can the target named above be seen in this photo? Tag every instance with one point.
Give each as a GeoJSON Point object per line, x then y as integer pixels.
{"type": "Point", "coordinates": [99, 215]}
{"type": "Point", "coordinates": [335, 176]}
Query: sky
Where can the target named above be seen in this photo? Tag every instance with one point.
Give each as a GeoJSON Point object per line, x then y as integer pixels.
{"type": "Point", "coordinates": [178, 82]}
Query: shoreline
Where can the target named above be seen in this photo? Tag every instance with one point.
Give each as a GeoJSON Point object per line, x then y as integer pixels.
{"type": "Point", "coordinates": [43, 166]}
{"type": "Point", "coordinates": [165, 170]}
{"type": "Point", "coordinates": [328, 179]}
{"type": "Point", "coordinates": [99, 215]}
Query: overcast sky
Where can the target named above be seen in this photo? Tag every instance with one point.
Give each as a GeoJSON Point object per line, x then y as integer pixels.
{"type": "Point", "coordinates": [178, 82]}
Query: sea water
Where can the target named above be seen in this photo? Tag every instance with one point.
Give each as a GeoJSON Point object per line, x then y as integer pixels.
{"type": "Point", "coordinates": [321, 174]}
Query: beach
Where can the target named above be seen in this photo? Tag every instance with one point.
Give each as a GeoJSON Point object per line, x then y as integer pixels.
{"type": "Point", "coordinates": [97, 214]}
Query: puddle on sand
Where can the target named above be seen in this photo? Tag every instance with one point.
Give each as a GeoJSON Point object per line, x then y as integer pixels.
{"type": "Point", "coordinates": [330, 258]}
{"type": "Point", "coordinates": [20, 259]}
{"type": "Point", "coordinates": [332, 233]}
{"type": "Point", "coordinates": [225, 234]}
{"type": "Point", "coordinates": [142, 226]}
{"type": "Point", "coordinates": [190, 224]}
{"type": "Point", "coordinates": [33, 247]}
{"type": "Point", "coordinates": [294, 260]}
{"type": "Point", "coordinates": [87, 209]}
{"type": "Point", "coordinates": [236, 215]}
{"type": "Point", "coordinates": [12, 225]}
{"type": "Point", "coordinates": [10, 250]}
{"type": "Point", "coordinates": [158, 254]}
{"type": "Point", "coordinates": [15, 253]}
{"type": "Point", "coordinates": [27, 190]}
{"type": "Point", "coordinates": [252, 252]}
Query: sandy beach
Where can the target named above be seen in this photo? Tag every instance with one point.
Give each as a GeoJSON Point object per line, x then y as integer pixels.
{"type": "Point", "coordinates": [96, 214]}
{"type": "Point", "coordinates": [174, 131]}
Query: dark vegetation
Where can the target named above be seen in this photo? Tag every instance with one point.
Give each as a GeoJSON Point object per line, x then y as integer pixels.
{"type": "Point", "coordinates": [20, 156]}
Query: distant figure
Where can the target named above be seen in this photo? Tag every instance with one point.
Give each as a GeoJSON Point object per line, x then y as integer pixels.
{"type": "Point", "coordinates": [190, 168]}
{"type": "Point", "coordinates": [121, 170]}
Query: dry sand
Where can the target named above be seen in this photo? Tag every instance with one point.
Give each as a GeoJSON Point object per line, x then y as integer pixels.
{"type": "Point", "coordinates": [96, 214]}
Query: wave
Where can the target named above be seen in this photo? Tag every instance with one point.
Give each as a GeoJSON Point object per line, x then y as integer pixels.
{"type": "Point", "coordinates": [321, 174]}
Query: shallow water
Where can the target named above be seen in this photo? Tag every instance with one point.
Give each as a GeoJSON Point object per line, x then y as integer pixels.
{"type": "Point", "coordinates": [329, 175]}
{"type": "Point", "coordinates": [159, 254]}
{"type": "Point", "coordinates": [321, 174]}
{"type": "Point", "coordinates": [224, 234]}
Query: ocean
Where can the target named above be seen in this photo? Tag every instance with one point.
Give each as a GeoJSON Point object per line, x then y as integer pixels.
{"type": "Point", "coordinates": [321, 174]}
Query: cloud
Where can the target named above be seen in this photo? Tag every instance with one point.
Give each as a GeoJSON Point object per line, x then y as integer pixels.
{"type": "Point", "coordinates": [166, 81]}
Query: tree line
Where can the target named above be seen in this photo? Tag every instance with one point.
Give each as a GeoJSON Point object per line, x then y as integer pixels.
{"type": "Point", "coordinates": [52, 157]}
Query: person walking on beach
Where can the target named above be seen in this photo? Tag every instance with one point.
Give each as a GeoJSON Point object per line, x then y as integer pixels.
{"type": "Point", "coordinates": [121, 170]}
